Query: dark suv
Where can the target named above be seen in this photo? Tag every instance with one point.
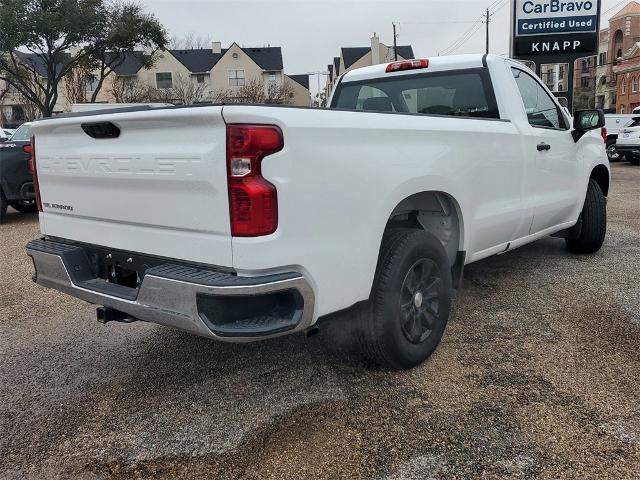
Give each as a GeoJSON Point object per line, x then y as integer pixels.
{"type": "Point", "coordinates": [16, 182]}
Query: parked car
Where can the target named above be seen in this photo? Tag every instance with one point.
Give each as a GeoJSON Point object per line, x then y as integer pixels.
{"type": "Point", "coordinates": [628, 142]}
{"type": "Point", "coordinates": [614, 123]}
{"type": "Point", "coordinates": [242, 222]}
{"type": "Point", "coordinates": [16, 182]}
{"type": "Point", "coordinates": [4, 135]}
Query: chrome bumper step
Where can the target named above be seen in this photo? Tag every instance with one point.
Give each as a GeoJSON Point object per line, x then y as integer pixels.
{"type": "Point", "coordinates": [200, 301]}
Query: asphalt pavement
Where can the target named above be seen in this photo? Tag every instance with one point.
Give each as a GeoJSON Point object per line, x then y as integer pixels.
{"type": "Point", "coordinates": [538, 376]}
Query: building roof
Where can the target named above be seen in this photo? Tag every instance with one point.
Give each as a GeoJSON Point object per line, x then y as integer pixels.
{"type": "Point", "coordinates": [301, 79]}
{"type": "Point", "coordinates": [36, 63]}
{"type": "Point", "coordinates": [197, 60]}
{"type": "Point", "coordinates": [130, 65]}
{"type": "Point", "coordinates": [631, 8]}
{"type": "Point", "coordinates": [352, 54]}
{"type": "Point", "coordinates": [268, 58]}
{"type": "Point", "coordinates": [406, 51]}
{"type": "Point", "coordinates": [336, 65]}
{"type": "Point", "coordinates": [203, 60]}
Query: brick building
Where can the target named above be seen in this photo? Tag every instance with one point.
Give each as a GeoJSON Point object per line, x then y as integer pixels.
{"type": "Point", "coordinates": [624, 55]}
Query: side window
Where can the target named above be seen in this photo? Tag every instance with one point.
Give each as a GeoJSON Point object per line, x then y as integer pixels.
{"type": "Point", "coordinates": [541, 110]}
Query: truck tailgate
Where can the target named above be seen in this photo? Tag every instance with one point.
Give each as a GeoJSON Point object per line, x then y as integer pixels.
{"type": "Point", "coordinates": [159, 188]}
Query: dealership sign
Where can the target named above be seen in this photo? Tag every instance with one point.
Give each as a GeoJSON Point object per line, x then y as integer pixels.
{"type": "Point", "coordinates": [547, 27]}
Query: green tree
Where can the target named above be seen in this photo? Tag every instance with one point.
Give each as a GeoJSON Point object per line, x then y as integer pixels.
{"type": "Point", "coordinates": [42, 41]}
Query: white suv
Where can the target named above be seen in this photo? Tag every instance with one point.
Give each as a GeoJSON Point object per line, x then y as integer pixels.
{"type": "Point", "coordinates": [628, 141]}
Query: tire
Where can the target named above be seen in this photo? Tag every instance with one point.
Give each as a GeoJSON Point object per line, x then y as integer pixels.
{"type": "Point", "coordinates": [3, 207]}
{"type": "Point", "coordinates": [612, 154]}
{"type": "Point", "coordinates": [634, 160]}
{"type": "Point", "coordinates": [414, 270]}
{"type": "Point", "coordinates": [24, 206]}
{"type": "Point", "coordinates": [594, 222]}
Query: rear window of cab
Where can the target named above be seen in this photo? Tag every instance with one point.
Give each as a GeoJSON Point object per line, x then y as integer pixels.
{"type": "Point", "coordinates": [465, 93]}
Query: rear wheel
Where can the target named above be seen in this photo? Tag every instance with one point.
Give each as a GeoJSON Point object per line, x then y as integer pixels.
{"type": "Point", "coordinates": [594, 222]}
{"type": "Point", "coordinates": [634, 159]}
{"type": "Point", "coordinates": [24, 206]}
{"type": "Point", "coordinates": [409, 307]}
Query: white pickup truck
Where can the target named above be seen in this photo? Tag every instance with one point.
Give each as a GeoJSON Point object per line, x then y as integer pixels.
{"type": "Point", "coordinates": [242, 222]}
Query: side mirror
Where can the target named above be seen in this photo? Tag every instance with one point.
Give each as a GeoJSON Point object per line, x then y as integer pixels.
{"type": "Point", "coordinates": [585, 120]}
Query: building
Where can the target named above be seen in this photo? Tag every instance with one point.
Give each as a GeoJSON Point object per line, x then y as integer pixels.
{"type": "Point", "coordinates": [584, 82]}
{"type": "Point", "coordinates": [191, 76]}
{"type": "Point", "coordinates": [357, 57]}
{"type": "Point", "coordinates": [624, 52]}
{"type": "Point", "coordinates": [219, 74]}
{"type": "Point", "coordinates": [605, 87]}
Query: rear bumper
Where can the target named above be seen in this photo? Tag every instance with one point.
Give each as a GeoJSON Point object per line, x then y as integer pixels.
{"type": "Point", "coordinates": [209, 303]}
{"type": "Point", "coordinates": [628, 148]}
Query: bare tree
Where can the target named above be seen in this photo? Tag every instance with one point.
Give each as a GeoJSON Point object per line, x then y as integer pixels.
{"type": "Point", "coordinates": [280, 93]}
{"type": "Point", "coordinates": [188, 92]}
{"type": "Point", "coordinates": [129, 90]}
{"type": "Point", "coordinates": [77, 82]}
{"type": "Point", "coordinates": [256, 91]}
{"type": "Point", "coordinates": [190, 40]}
{"type": "Point", "coordinates": [29, 109]}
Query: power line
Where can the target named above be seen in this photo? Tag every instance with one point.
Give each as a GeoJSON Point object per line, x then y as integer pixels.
{"type": "Point", "coordinates": [614, 7]}
{"type": "Point", "coordinates": [470, 32]}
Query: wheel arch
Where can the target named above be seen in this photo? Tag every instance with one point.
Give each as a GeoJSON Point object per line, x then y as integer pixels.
{"type": "Point", "coordinates": [600, 174]}
{"type": "Point", "coordinates": [436, 212]}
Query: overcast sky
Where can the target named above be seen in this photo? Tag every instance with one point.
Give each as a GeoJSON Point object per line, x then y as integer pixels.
{"type": "Point", "coordinates": [311, 32]}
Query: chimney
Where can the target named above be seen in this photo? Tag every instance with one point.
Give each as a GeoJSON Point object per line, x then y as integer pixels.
{"type": "Point", "coordinates": [375, 50]}
{"type": "Point", "coordinates": [216, 47]}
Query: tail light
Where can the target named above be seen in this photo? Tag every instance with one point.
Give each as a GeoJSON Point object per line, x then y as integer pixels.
{"type": "Point", "coordinates": [407, 65]}
{"type": "Point", "coordinates": [31, 164]}
{"type": "Point", "coordinates": [604, 135]}
{"type": "Point", "coordinates": [253, 201]}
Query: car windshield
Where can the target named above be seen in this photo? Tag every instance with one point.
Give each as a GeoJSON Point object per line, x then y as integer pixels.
{"type": "Point", "coordinates": [634, 123]}
{"type": "Point", "coordinates": [23, 134]}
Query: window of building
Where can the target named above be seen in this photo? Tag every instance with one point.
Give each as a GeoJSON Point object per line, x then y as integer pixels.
{"type": "Point", "coordinates": [463, 94]}
{"type": "Point", "coordinates": [602, 60]}
{"type": "Point", "coordinates": [634, 84]}
{"type": "Point", "coordinates": [584, 65]}
{"type": "Point", "coordinates": [272, 77]}
{"type": "Point", "coordinates": [584, 82]}
{"type": "Point", "coordinates": [236, 78]}
{"type": "Point", "coordinates": [555, 76]}
{"type": "Point", "coordinates": [200, 78]}
{"type": "Point", "coordinates": [91, 82]}
{"type": "Point", "coordinates": [235, 56]}
{"type": "Point", "coordinates": [541, 109]}
{"type": "Point", "coordinates": [623, 86]}
{"type": "Point", "coordinates": [164, 80]}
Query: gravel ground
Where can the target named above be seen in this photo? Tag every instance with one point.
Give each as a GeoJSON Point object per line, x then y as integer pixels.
{"type": "Point", "coordinates": [538, 376]}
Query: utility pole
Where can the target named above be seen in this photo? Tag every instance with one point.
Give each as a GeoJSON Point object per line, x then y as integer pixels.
{"type": "Point", "coordinates": [488, 19]}
{"type": "Point", "coordinates": [395, 42]}
{"type": "Point", "coordinates": [318, 75]}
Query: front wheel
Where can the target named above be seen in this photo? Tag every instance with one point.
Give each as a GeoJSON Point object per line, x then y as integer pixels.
{"type": "Point", "coordinates": [594, 222]}
{"type": "Point", "coordinates": [410, 302]}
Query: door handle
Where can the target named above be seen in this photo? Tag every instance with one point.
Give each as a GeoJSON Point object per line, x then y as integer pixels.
{"type": "Point", "coordinates": [543, 146]}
